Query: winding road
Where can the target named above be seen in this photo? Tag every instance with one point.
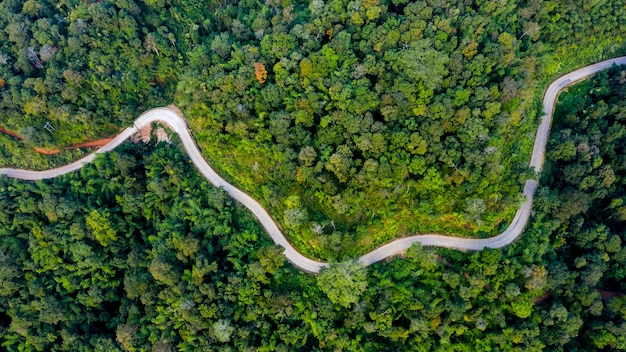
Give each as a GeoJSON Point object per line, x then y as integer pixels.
{"type": "Point", "coordinates": [179, 125]}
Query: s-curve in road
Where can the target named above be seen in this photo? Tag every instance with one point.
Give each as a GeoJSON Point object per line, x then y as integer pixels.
{"type": "Point", "coordinates": [521, 217]}
{"type": "Point", "coordinates": [178, 124]}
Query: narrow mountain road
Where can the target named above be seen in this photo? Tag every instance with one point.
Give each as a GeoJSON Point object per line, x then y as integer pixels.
{"type": "Point", "coordinates": [179, 125]}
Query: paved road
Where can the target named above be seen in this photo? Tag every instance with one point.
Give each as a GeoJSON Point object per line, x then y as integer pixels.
{"type": "Point", "coordinates": [179, 125]}
{"type": "Point", "coordinates": [521, 217]}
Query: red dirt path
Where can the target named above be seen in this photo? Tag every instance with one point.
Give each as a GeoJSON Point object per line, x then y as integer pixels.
{"type": "Point", "coordinates": [96, 143]}
{"type": "Point", "coordinates": [11, 133]}
{"type": "Point", "coordinates": [46, 151]}
{"type": "Point", "coordinates": [90, 144]}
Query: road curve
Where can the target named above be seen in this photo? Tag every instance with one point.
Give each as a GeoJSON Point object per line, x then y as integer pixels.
{"type": "Point", "coordinates": [179, 125]}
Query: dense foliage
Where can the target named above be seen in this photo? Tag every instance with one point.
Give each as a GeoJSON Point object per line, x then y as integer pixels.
{"type": "Point", "coordinates": [135, 248]}
{"type": "Point", "coordinates": [381, 119]}
{"type": "Point", "coordinates": [354, 122]}
{"type": "Point", "coordinates": [137, 252]}
{"type": "Point", "coordinates": [581, 207]}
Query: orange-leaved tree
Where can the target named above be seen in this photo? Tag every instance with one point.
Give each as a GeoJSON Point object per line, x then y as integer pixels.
{"type": "Point", "coordinates": [260, 72]}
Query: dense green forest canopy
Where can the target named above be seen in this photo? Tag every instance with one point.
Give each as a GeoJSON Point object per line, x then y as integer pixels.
{"type": "Point", "coordinates": [138, 252]}
{"type": "Point", "coordinates": [580, 208]}
{"type": "Point", "coordinates": [353, 122]}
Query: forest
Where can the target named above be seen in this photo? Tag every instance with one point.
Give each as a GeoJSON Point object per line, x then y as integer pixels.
{"type": "Point", "coordinates": [137, 252]}
{"type": "Point", "coordinates": [352, 122]}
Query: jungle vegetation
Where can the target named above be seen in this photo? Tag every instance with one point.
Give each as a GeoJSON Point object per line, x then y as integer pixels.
{"type": "Point", "coordinates": [353, 122]}
{"type": "Point", "coordinates": [137, 252]}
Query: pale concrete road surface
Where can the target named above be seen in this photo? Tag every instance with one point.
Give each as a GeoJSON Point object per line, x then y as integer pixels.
{"type": "Point", "coordinates": [178, 124]}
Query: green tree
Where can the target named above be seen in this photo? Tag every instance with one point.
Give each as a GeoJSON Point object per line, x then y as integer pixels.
{"type": "Point", "coordinates": [101, 227]}
{"type": "Point", "coordinates": [424, 64]}
{"type": "Point", "coordinates": [343, 282]}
